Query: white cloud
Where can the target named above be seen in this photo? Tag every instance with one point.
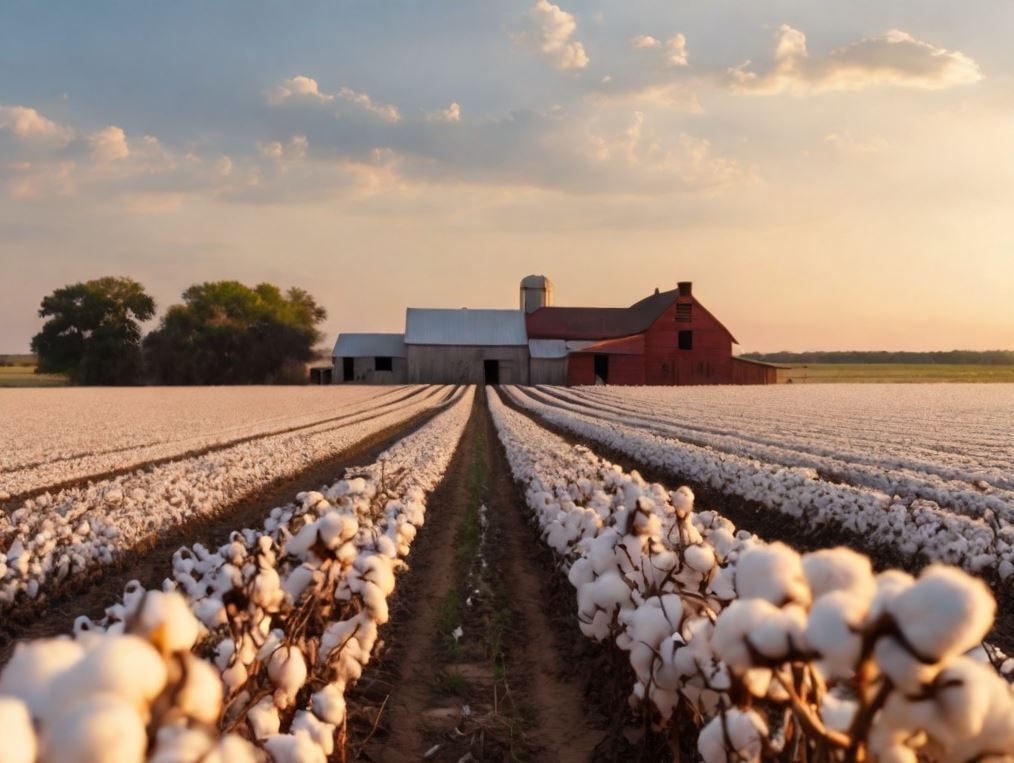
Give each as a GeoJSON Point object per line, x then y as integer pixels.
{"type": "Point", "coordinates": [895, 58]}
{"type": "Point", "coordinates": [674, 51]}
{"type": "Point", "coordinates": [387, 113]}
{"type": "Point", "coordinates": [645, 42]}
{"type": "Point", "coordinates": [299, 87]}
{"type": "Point", "coordinates": [109, 144]}
{"type": "Point", "coordinates": [26, 122]}
{"type": "Point", "coordinates": [451, 114]}
{"type": "Point", "coordinates": [550, 31]}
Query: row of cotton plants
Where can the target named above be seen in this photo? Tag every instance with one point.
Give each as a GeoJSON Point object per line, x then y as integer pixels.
{"type": "Point", "coordinates": [285, 617]}
{"type": "Point", "coordinates": [974, 493]}
{"type": "Point", "coordinates": [78, 434]}
{"type": "Point", "coordinates": [767, 652]}
{"type": "Point", "coordinates": [92, 426]}
{"type": "Point", "coordinates": [908, 527]}
{"type": "Point", "coordinates": [56, 540]}
{"type": "Point", "coordinates": [958, 432]}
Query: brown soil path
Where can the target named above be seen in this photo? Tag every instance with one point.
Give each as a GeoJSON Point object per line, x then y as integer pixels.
{"type": "Point", "coordinates": [151, 564]}
{"type": "Point", "coordinates": [521, 692]}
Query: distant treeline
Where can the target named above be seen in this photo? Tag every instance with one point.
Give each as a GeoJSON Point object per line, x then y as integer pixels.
{"type": "Point", "coordinates": [949, 358]}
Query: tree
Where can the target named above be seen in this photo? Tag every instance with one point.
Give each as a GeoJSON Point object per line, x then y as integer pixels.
{"type": "Point", "coordinates": [93, 333]}
{"type": "Point", "coordinates": [227, 333]}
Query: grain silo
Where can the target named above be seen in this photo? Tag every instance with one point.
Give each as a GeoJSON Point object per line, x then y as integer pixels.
{"type": "Point", "coordinates": [536, 292]}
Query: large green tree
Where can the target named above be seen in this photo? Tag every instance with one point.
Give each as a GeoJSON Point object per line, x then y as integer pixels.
{"type": "Point", "coordinates": [93, 331]}
{"type": "Point", "coordinates": [228, 333]}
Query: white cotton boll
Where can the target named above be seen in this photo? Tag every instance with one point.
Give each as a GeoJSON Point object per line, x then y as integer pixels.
{"type": "Point", "coordinates": [211, 612]}
{"type": "Point", "coordinates": [19, 744]}
{"type": "Point", "coordinates": [320, 732]}
{"type": "Point", "coordinates": [723, 584]}
{"type": "Point", "coordinates": [734, 628]}
{"type": "Point", "coordinates": [125, 666]}
{"type": "Point", "coordinates": [329, 704]}
{"type": "Point", "coordinates": [335, 528]}
{"type": "Point", "coordinates": [778, 636]}
{"type": "Point", "coordinates": [580, 572]}
{"type": "Point", "coordinates": [300, 543]}
{"type": "Point", "coordinates": [177, 744]}
{"type": "Point", "coordinates": [297, 581]}
{"type": "Point", "coordinates": [682, 500]}
{"type": "Point", "coordinates": [271, 643]}
{"type": "Point", "coordinates": [167, 622]}
{"type": "Point", "coordinates": [33, 666]}
{"type": "Point", "coordinates": [745, 730]}
{"type": "Point", "coordinates": [832, 630]}
{"type": "Point", "coordinates": [232, 749]}
{"type": "Point", "coordinates": [263, 719]}
{"type": "Point", "coordinates": [945, 613]}
{"type": "Point", "coordinates": [379, 570]}
{"type": "Point", "coordinates": [757, 681]}
{"type": "Point", "coordinates": [898, 664]}
{"type": "Point", "coordinates": [773, 572]}
{"type": "Point", "coordinates": [700, 558]}
{"type": "Point", "coordinates": [100, 728]}
{"type": "Point", "coordinates": [268, 593]}
{"type": "Point", "coordinates": [200, 696]}
{"type": "Point", "coordinates": [890, 584]}
{"type": "Point", "coordinates": [836, 569]}
{"type": "Point", "coordinates": [287, 671]}
{"type": "Point", "coordinates": [837, 713]}
{"type": "Point", "coordinates": [294, 748]}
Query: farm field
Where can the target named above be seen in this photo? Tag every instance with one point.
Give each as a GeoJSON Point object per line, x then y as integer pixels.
{"type": "Point", "coordinates": [853, 373]}
{"type": "Point", "coordinates": [452, 573]}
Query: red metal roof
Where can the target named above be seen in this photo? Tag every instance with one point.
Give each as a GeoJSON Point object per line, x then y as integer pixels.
{"type": "Point", "coordinates": [627, 345]}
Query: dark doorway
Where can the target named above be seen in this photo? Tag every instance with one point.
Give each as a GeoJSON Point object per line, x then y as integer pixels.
{"type": "Point", "coordinates": [602, 369]}
{"type": "Point", "coordinates": [491, 371]}
{"type": "Point", "coordinates": [348, 369]}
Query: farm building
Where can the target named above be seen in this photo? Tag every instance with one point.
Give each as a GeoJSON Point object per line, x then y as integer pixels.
{"type": "Point", "coordinates": [667, 338]}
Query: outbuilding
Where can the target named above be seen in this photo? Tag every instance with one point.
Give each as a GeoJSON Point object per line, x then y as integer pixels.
{"type": "Point", "coordinates": [370, 359]}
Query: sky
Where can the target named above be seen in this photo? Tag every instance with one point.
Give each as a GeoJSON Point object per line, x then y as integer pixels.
{"type": "Point", "coordinates": [830, 175]}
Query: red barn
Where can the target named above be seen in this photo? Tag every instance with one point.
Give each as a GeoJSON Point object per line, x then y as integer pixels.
{"type": "Point", "coordinates": [666, 338]}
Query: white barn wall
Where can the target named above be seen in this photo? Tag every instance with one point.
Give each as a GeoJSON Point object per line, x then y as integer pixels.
{"type": "Point", "coordinates": [460, 364]}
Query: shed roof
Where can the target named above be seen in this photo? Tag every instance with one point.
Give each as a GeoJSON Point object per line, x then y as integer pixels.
{"type": "Point", "coordinates": [626, 345]}
{"type": "Point", "coordinates": [488, 328]}
{"type": "Point", "coordinates": [369, 345]}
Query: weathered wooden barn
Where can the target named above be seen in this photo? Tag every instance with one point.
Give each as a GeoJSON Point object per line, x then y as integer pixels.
{"type": "Point", "coordinates": [667, 338]}
{"type": "Point", "coordinates": [370, 359]}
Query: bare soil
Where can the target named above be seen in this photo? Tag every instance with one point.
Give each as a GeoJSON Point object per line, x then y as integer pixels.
{"type": "Point", "coordinates": [151, 563]}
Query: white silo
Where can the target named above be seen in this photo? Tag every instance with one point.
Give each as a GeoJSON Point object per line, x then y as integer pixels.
{"type": "Point", "coordinates": [536, 292]}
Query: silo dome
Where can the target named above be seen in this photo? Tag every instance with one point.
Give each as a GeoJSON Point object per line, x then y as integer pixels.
{"type": "Point", "coordinates": [536, 292]}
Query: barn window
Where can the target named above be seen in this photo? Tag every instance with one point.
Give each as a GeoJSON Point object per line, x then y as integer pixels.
{"type": "Point", "coordinates": [684, 312]}
{"type": "Point", "coordinates": [383, 364]}
{"type": "Point", "coordinates": [686, 340]}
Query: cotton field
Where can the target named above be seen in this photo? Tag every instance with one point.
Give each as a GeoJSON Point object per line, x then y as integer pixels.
{"type": "Point", "coordinates": [726, 646]}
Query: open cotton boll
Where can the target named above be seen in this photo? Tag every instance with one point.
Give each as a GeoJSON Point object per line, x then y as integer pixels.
{"type": "Point", "coordinates": [232, 749]}
{"type": "Point", "coordinates": [287, 671]}
{"type": "Point", "coordinates": [945, 613]}
{"type": "Point", "coordinates": [335, 528]}
{"type": "Point", "coordinates": [736, 625]}
{"type": "Point", "coordinates": [33, 666]}
{"type": "Point", "coordinates": [200, 696]}
{"type": "Point", "coordinates": [836, 569]}
{"type": "Point", "coordinates": [263, 719]}
{"type": "Point", "coordinates": [745, 730]}
{"type": "Point", "coordinates": [700, 558]}
{"type": "Point", "coordinates": [774, 573]}
{"type": "Point", "coordinates": [178, 744]}
{"type": "Point", "coordinates": [166, 621]}
{"type": "Point", "coordinates": [890, 585]}
{"type": "Point", "coordinates": [837, 713]}
{"type": "Point", "coordinates": [906, 671]}
{"type": "Point", "coordinates": [320, 732]}
{"type": "Point", "coordinates": [294, 748]}
{"type": "Point", "coordinates": [832, 630]}
{"type": "Point", "coordinates": [99, 728]}
{"type": "Point", "coordinates": [329, 704]}
{"type": "Point", "coordinates": [19, 744]}
{"type": "Point", "coordinates": [682, 499]}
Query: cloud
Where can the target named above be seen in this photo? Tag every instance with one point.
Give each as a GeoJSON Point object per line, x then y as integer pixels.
{"type": "Point", "coordinates": [387, 113]}
{"type": "Point", "coordinates": [550, 31]}
{"type": "Point", "coordinates": [109, 144]}
{"type": "Point", "coordinates": [451, 114]}
{"type": "Point", "coordinates": [299, 87]}
{"type": "Point", "coordinates": [674, 51]}
{"type": "Point", "coordinates": [845, 143]}
{"type": "Point", "coordinates": [26, 122]}
{"type": "Point", "coordinates": [645, 42]}
{"type": "Point", "coordinates": [895, 58]}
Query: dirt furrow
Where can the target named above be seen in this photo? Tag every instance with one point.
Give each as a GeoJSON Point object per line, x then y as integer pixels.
{"type": "Point", "coordinates": [150, 564]}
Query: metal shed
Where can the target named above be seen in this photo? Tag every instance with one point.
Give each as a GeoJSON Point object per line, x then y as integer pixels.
{"type": "Point", "coordinates": [370, 359]}
{"type": "Point", "coordinates": [466, 346]}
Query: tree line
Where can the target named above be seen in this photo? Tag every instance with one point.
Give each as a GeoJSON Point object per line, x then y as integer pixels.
{"type": "Point", "coordinates": [224, 332]}
{"type": "Point", "coordinates": [950, 357]}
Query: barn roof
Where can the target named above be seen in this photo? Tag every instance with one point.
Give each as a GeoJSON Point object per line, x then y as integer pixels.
{"type": "Point", "coordinates": [487, 328]}
{"type": "Point", "coordinates": [626, 345]}
{"type": "Point", "coordinates": [603, 322]}
{"type": "Point", "coordinates": [369, 345]}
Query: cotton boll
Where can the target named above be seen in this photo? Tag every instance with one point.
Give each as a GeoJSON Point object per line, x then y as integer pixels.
{"type": "Point", "coordinates": [294, 748]}
{"type": "Point", "coordinates": [167, 622]}
{"type": "Point", "coordinates": [890, 585]}
{"type": "Point", "coordinates": [264, 719]}
{"type": "Point", "coordinates": [177, 744]}
{"type": "Point", "coordinates": [329, 704]}
{"type": "Point", "coordinates": [200, 696]}
{"type": "Point", "coordinates": [898, 664]}
{"type": "Point", "coordinates": [682, 501]}
{"type": "Point", "coordinates": [232, 749]}
{"type": "Point", "coordinates": [774, 573]}
{"type": "Point", "coordinates": [297, 581]}
{"type": "Point", "coordinates": [736, 625]}
{"type": "Point", "coordinates": [100, 728]}
{"type": "Point", "coordinates": [19, 744]}
{"type": "Point", "coordinates": [287, 671]}
{"type": "Point", "coordinates": [700, 558]}
{"type": "Point", "coordinates": [832, 630]}
{"type": "Point", "coordinates": [945, 613]}
{"type": "Point", "coordinates": [33, 666]}
{"type": "Point", "coordinates": [837, 713]}
{"type": "Point", "coordinates": [320, 732]}
{"type": "Point", "coordinates": [745, 730]}
{"type": "Point", "coordinates": [839, 569]}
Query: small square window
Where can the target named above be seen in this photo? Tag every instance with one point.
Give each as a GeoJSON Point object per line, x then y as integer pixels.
{"type": "Point", "coordinates": [686, 340]}
{"type": "Point", "coordinates": [383, 364]}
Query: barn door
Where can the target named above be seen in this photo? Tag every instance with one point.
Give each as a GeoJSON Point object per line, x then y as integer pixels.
{"type": "Point", "coordinates": [491, 371]}
{"type": "Point", "coordinates": [348, 369]}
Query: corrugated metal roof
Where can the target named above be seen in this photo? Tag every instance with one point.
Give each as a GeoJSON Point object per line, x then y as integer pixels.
{"type": "Point", "coordinates": [489, 328]}
{"type": "Point", "coordinates": [369, 345]}
{"type": "Point", "coordinates": [547, 348]}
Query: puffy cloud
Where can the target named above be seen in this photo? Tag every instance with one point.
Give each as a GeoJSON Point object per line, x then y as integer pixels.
{"type": "Point", "coordinates": [895, 58]}
{"type": "Point", "coordinates": [451, 114]}
{"type": "Point", "coordinates": [387, 113]}
{"type": "Point", "coordinates": [26, 122]}
{"type": "Point", "coordinates": [299, 87]}
{"type": "Point", "coordinates": [645, 42]}
{"type": "Point", "coordinates": [109, 144]}
{"type": "Point", "coordinates": [550, 31]}
{"type": "Point", "coordinates": [674, 51]}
